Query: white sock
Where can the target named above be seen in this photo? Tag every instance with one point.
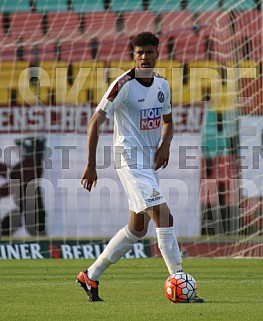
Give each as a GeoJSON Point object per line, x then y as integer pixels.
{"type": "Point", "coordinates": [169, 248]}
{"type": "Point", "coordinates": [119, 245]}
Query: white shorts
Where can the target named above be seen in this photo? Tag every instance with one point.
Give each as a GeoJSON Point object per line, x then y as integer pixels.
{"type": "Point", "coordinates": [142, 188]}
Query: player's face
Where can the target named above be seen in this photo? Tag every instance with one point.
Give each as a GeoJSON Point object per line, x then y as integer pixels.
{"type": "Point", "coordinates": [145, 56]}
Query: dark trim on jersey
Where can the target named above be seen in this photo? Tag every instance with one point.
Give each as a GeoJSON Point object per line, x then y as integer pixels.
{"type": "Point", "coordinates": [148, 84]}
{"type": "Point", "coordinates": [130, 75]}
{"type": "Point", "coordinates": [120, 83]}
{"type": "Point", "coordinates": [102, 112]}
{"type": "Point", "coordinates": [145, 84]}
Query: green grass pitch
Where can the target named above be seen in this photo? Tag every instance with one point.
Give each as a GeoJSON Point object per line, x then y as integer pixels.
{"type": "Point", "coordinates": [132, 289]}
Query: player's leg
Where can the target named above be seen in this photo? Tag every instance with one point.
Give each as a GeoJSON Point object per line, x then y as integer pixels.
{"type": "Point", "coordinates": [167, 241]}
{"type": "Point", "coordinates": [118, 246]}
{"type": "Point", "coordinates": [138, 223]}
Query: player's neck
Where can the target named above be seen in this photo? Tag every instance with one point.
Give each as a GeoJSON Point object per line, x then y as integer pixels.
{"type": "Point", "coordinates": [144, 75]}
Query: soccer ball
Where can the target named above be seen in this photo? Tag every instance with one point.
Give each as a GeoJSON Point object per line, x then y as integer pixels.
{"type": "Point", "coordinates": [180, 287]}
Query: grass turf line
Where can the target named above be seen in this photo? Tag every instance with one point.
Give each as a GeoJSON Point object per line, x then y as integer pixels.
{"type": "Point", "coordinates": [132, 289]}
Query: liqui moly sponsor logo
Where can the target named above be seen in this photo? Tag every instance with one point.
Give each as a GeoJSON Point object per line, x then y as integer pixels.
{"type": "Point", "coordinates": [150, 118]}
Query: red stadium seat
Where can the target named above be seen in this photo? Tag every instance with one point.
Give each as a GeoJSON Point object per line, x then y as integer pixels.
{"type": "Point", "coordinates": [228, 32]}
{"type": "Point", "coordinates": [221, 169]}
{"type": "Point", "coordinates": [26, 25]}
{"type": "Point", "coordinates": [188, 47]}
{"type": "Point", "coordinates": [8, 52]}
{"type": "Point", "coordinates": [63, 25]}
{"type": "Point", "coordinates": [115, 48]}
{"type": "Point", "coordinates": [100, 25]}
{"type": "Point", "coordinates": [249, 23]}
{"type": "Point", "coordinates": [163, 52]}
{"type": "Point", "coordinates": [176, 22]}
{"type": "Point", "coordinates": [254, 50]}
{"type": "Point", "coordinates": [257, 48]}
{"type": "Point", "coordinates": [111, 48]}
{"type": "Point", "coordinates": [1, 27]}
{"type": "Point", "coordinates": [251, 96]}
{"type": "Point", "coordinates": [216, 26]}
{"type": "Point", "coordinates": [136, 22]}
{"type": "Point", "coordinates": [72, 51]}
{"type": "Point", "coordinates": [222, 47]}
{"type": "Point", "coordinates": [46, 52]}
{"type": "Point", "coordinates": [209, 21]}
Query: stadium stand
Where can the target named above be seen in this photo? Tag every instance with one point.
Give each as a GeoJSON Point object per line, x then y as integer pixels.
{"type": "Point", "coordinates": [1, 27]}
{"type": "Point", "coordinates": [176, 22]}
{"type": "Point", "coordinates": [135, 22]}
{"type": "Point", "coordinates": [87, 6]}
{"type": "Point", "coordinates": [252, 88]}
{"type": "Point", "coordinates": [166, 6]}
{"type": "Point", "coordinates": [114, 48]}
{"type": "Point", "coordinates": [14, 5]}
{"type": "Point", "coordinates": [50, 68]}
{"type": "Point", "coordinates": [4, 96]}
{"type": "Point", "coordinates": [99, 24]}
{"type": "Point", "coordinates": [195, 49]}
{"type": "Point", "coordinates": [248, 39]}
{"type": "Point", "coordinates": [8, 52]}
{"type": "Point", "coordinates": [208, 20]}
{"type": "Point", "coordinates": [197, 4]}
{"type": "Point", "coordinates": [123, 65]}
{"type": "Point", "coordinates": [95, 81]}
{"type": "Point", "coordinates": [51, 5]}
{"type": "Point", "coordinates": [9, 75]}
{"type": "Point", "coordinates": [222, 170]}
{"type": "Point", "coordinates": [34, 96]}
{"type": "Point", "coordinates": [126, 5]}
{"type": "Point", "coordinates": [242, 5]}
{"type": "Point", "coordinates": [248, 23]}
{"type": "Point", "coordinates": [26, 25]}
{"type": "Point", "coordinates": [78, 50]}
{"type": "Point", "coordinates": [46, 51]}
{"type": "Point", "coordinates": [62, 34]}
{"type": "Point", "coordinates": [63, 25]}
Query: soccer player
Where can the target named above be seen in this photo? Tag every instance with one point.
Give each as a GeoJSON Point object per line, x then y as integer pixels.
{"type": "Point", "coordinates": [139, 101]}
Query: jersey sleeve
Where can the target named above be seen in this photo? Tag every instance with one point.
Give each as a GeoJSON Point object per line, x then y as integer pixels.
{"type": "Point", "coordinates": [167, 103]}
{"type": "Point", "coordinates": [113, 98]}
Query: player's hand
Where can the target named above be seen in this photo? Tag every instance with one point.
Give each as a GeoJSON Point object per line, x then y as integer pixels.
{"type": "Point", "coordinates": [161, 157]}
{"type": "Point", "coordinates": [89, 177]}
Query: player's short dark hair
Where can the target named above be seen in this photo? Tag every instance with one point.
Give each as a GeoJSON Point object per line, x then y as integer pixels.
{"type": "Point", "coordinates": [145, 38]}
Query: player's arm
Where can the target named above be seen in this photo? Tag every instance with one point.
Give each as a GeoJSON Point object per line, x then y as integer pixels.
{"type": "Point", "coordinates": [89, 176]}
{"type": "Point", "coordinates": [162, 154]}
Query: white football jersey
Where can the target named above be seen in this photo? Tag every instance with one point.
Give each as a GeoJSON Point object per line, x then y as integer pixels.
{"type": "Point", "coordinates": [137, 108]}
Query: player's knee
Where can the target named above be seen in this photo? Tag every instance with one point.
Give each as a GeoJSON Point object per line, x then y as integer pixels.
{"type": "Point", "coordinates": [138, 225]}
{"type": "Point", "coordinates": [138, 230]}
{"type": "Point", "coordinates": [142, 233]}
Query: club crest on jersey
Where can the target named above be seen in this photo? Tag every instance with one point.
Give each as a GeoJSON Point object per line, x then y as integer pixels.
{"type": "Point", "coordinates": [160, 96]}
{"type": "Point", "coordinates": [150, 118]}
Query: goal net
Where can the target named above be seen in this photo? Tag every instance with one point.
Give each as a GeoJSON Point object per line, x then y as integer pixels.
{"type": "Point", "coordinates": [57, 60]}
